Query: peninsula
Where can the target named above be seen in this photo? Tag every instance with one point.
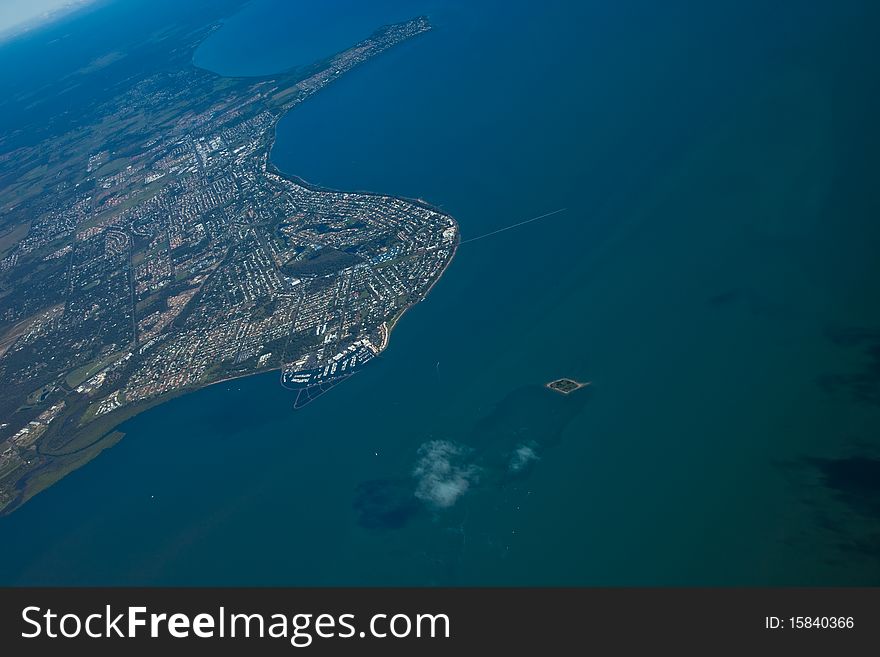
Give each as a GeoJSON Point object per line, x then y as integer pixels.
{"type": "Point", "coordinates": [149, 248]}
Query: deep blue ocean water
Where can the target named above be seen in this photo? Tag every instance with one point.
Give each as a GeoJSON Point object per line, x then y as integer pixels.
{"type": "Point", "coordinates": [714, 274]}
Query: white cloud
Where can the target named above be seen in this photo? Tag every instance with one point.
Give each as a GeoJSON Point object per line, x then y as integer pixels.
{"type": "Point", "coordinates": [443, 473]}
{"type": "Point", "coordinates": [522, 456]}
{"type": "Point", "coordinates": [16, 15]}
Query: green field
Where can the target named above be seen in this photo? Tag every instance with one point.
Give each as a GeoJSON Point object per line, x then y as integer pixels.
{"type": "Point", "coordinates": [89, 370]}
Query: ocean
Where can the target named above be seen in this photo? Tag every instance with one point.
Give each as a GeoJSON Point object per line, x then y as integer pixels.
{"type": "Point", "coordinates": [713, 274]}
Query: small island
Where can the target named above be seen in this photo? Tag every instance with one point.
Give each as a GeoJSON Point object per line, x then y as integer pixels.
{"type": "Point", "coordinates": [566, 386]}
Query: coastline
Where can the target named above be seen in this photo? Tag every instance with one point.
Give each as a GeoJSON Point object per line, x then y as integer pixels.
{"type": "Point", "coordinates": [391, 323]}
{"type": "Point", "coordinates": [58, 465]}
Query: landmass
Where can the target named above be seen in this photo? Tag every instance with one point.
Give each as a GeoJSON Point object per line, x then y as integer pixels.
{"type": "Point", "coordinates": [566, 386]}
{"type": "Point", "coordinates": [148, 248]}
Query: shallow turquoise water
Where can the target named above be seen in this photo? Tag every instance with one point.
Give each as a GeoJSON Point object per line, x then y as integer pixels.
{"type": "Point", "coordinates": [714, 275]}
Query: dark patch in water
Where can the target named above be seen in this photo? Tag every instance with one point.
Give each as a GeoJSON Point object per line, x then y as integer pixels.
{"type": "Point", "coordinates": [862, 386]}
{"type": "Point", "coordinates": [855, 480]}
{"type": "Point", "coordinates": [843, 498]}
{"type": "Point", "coordinates": [385, 504]}
{"type": "Point", "coordinates": [532, 417]}
{"type": "Point", "coordinates": [852, 336]}
{"type": "Point", "coordinates": [503, 447]}
{"type": "Point", "coordinates": [530, 413]}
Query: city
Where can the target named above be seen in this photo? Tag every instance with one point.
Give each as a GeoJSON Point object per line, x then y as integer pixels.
{"type": "Point", "coordinates": [162, 251]}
